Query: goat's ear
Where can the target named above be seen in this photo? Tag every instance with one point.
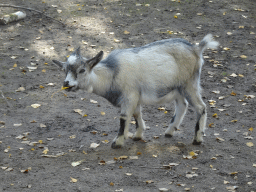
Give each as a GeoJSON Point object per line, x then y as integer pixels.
{"type": "Point", "coordinates": [76, 52]}
{"type": "Point", "coordinates": [95, 60]}
{"type": "Point", "coordinates": [59, 63]}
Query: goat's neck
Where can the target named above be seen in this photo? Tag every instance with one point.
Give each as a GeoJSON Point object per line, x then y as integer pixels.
{"type": "Point", "coordinates": [100, 80]}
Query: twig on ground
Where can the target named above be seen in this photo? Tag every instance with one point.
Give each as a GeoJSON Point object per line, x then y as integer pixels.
{"type": "Point", "coordinates": [10, 105]}
{"type": "Point", "coordinates": [30, 9]}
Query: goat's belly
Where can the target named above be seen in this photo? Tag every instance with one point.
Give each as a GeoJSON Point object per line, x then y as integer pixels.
{"type": "Point", "coordinates": [150, 99]}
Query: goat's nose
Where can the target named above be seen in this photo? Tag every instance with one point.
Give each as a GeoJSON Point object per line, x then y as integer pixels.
{"type": "Point", "coordinates": [66, 84]}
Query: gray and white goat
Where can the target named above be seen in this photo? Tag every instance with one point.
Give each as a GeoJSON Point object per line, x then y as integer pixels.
{"type": "Point", "coordinates": [160, 72]}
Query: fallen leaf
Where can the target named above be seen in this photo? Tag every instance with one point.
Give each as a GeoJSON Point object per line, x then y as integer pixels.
{"type": "Point", "coordinates": [233, 75]}
{"type": "Point", "coordinates": [231, 188]}
{"type": "Point", "coordinates": [243, 56]}
{"type": "Point", "coordinates": [42, 125]}
{"type": "Point", "coordinates": [163, 189]}
{"type": "Point", "coordinates": [45, 151]}
{"type": "Point", "coordinates": [24, 171]}
{"type": "Point", "coordinates": [128, 174]}
{"type": "Point", "coordinates": [250, 129]}
{"type": "Point", "coordinates": [187, 157]}
{"type": "Point", "coordinates": [219, 139]}
{"type": "Point", "coordinates": [126, 32]}
{"type": "Point", "coordinates": [72, 136]}
{"type": "Point", "coordinates": [73, 180]}
{"type": "Point", "coordinates": [43, 71]}
{"type": "Point", "coordinates": [111, 162]}
{"type": "Point", "coordinates": [133, 157]}
{"type": "Point", "coordinates": [9, 169]}
{"type": "Point", "coordinates": [226, 48]}
{"type": "Point", "coordinates": [249, 144]}
{"type": "Point", "coordinates": [123, 157]}
{"type": "Point", "coordinates": [105, 141]}
{"type": "Point", "coordinates": [35, 105]}
{"type": "Point", "coordinates": [111, 184]}
{"type": "Point", "coordinates": [192, 153]}
{"type": "Point", "coordinates": [211, 125]}
{"type": "Point", "coordinates": [149, 181]}
{"type": "Point", "coordinates": [94, 145]}
{"type": "Point", "coordinates": [74, 164]}
{"type": "Point", "coordinates": [233, 93]}
{"type": "Point", "coordinates": [20, 89]}
{"type": "Point", "coordinates": [20, 137]}
{"type": "Point", "coordinates": [249, 96]}
{"type": "Point", "coordinates": [17, 125]}
{"type": "Point", "coordinates": [93, 101]}
{"type": "Point", "coordinates": [102, 113]}
{"type": "Point", "coordinates": [116, 41]}
{"type": "Point", "coordinates": [215, 115]}
{"type": "Point", "coordinates": [4, 168]}
{"type": "Point", "coordinates": [216, 92]}
{"type": "Point", "coordinates": [234, 121]}
{"type": "Point", "coordinates": [31, 68]}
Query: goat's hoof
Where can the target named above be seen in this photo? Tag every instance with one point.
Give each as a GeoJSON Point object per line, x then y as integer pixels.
{"type": "Point", "coordinates": [115, 146]}
{"type": "Point", "coordinates": [136, 138]}
{"type": "Point", "coordinates": [168, 135]}
{"type": "Point", "coordinates": [195, 142]}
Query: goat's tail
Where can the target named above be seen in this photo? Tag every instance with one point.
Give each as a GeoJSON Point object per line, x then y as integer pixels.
{"type": "Point", "coordinates": [208, 42]}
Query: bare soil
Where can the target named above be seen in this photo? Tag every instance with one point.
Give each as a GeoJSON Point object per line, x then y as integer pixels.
{"type": "Point", "coordinates": [225, 161]}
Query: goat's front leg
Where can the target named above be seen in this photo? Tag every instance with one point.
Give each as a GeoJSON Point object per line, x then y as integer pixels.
{"type": "Point", "coordinates": [126, 114]}
{"type": "Point", "coordinates": [123, 131]}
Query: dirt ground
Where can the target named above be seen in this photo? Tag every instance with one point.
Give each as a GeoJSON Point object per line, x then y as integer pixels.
{"type": "Point", "coordinates": [38, 145]}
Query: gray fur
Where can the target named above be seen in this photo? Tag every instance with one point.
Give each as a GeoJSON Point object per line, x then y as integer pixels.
{"type": "Point", "coordinates": [160, 72]}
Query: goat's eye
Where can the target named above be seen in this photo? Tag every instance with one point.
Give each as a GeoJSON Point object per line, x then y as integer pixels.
{"type": "Point", "coordinates": [82, 71]}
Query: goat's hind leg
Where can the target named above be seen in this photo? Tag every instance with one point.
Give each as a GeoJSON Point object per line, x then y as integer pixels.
{"type": "Point", "coordinates": [196, 101]}
{"type": "Point", "coordinates": [180, 109]}
{"type": "Point", "coordinates": [140, 124]}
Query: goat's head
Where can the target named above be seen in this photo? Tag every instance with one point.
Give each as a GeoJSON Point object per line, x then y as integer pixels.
{"type": "Point", "coordinates": [77, 69]}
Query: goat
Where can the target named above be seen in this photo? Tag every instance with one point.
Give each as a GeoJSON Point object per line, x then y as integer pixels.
{"type": "Point", "coordinates": [159, 72]}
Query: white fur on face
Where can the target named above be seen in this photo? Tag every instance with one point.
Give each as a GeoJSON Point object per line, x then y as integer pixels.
{"type": "Point", "coordinates": [72, 59]}
{"type": "Point", "coordinates": [72, 81]}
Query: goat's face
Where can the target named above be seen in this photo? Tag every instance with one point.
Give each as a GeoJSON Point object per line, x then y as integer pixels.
{"type": "Point", "coordinates": [77, 70]}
